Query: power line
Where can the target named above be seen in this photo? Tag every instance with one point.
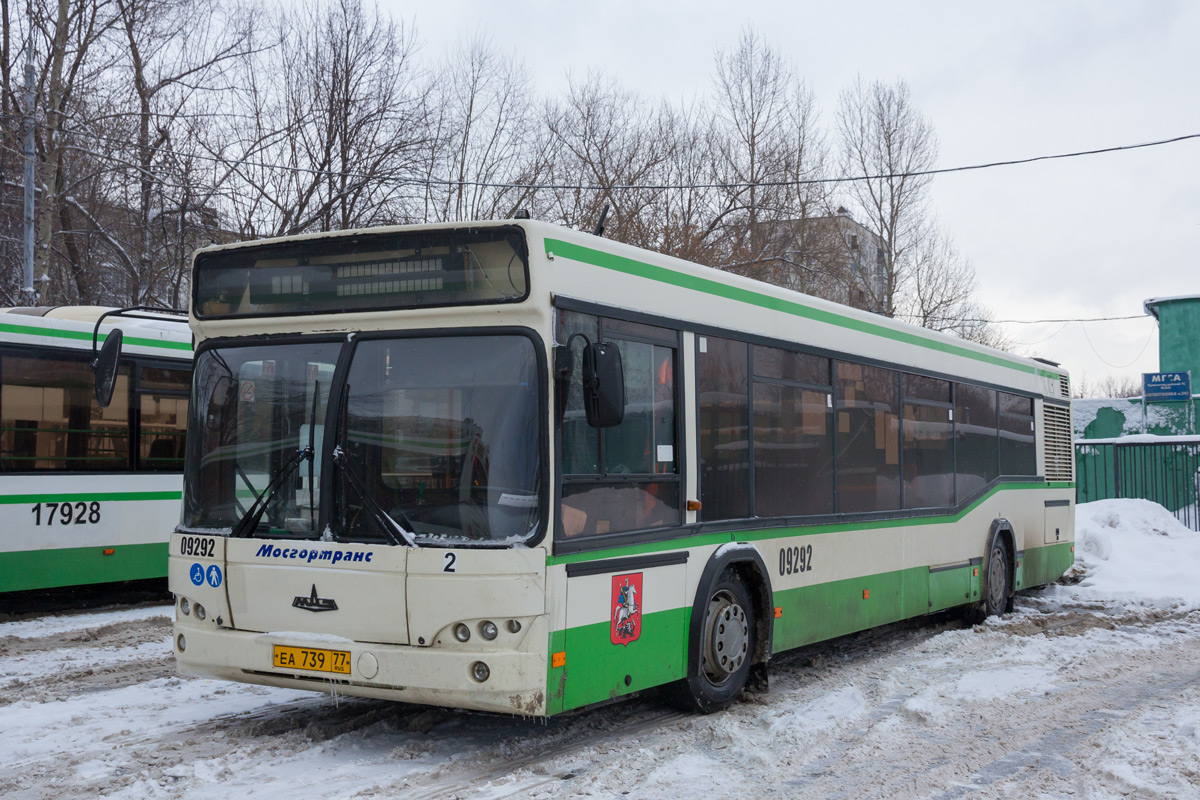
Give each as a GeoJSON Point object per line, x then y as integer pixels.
{"type": "Point", "coordinates": [447, 183]}
{"type": "Point", "coordinates": [1035, 321]}
{"type": "Point", "coordinates": [1082, 319]}
{"type": "Point", "coordinates": [1105, 360]}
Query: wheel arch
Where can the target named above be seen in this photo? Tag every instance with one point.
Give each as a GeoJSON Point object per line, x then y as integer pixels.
{"type": "Point", "coordinates": [747, 562]}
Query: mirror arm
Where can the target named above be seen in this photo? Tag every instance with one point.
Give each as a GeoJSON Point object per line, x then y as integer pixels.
{"type": "Point", "coordinates": [117, 311]}
{"type": "Point", "coordinates": [564, 356]}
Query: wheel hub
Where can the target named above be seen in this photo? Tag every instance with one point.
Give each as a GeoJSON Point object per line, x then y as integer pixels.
{"type": "Point", "coordinates": [996, 578]}
{"type": "Point", "coordinates": [726, 638]}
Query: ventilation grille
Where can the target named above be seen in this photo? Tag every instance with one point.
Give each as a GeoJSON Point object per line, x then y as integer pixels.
{"type": "Point", "coordinates": [1060, 453]}
{"type": "Point", "coordinates": [1064, 387]}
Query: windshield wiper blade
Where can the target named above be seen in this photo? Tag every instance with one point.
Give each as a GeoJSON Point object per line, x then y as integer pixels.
{"type": "Point", "coordinates": [384, 520]}
{"type": "Point", "coordinates": [381, 517]}
{"type": "Point", "coordinates": [250, 520]}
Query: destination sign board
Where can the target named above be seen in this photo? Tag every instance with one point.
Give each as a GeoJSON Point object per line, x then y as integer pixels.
{"type": "Point", "coordinates": [1167, 387]}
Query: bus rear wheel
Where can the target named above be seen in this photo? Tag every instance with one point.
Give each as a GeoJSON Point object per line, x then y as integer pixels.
{"type": "Point", "coordinates": [997, 599]}
{"type": "Point", "coordinates": [724, 651]}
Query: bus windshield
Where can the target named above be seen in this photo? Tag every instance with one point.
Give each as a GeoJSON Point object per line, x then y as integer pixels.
{"type": "Point", "coordinates": [255, 408]}
{"type": "Point", "coordinates": [436, 438]}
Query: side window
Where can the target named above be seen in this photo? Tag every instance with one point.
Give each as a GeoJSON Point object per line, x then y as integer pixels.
{"type": "Point", "coordinates": [162, 426]}
{"type": "Point", "coordinates": [977, 462]}
{"type": "Point", "coordinates": [868, 420]}
{"type": "Point", "coordinates": [51, 421]}
{"type": "Point", "coordinates": [722, 387]}
{"type": "Point", "coordinates": [1018, 455]}
{"type": "Point", "coordinates": [928, 443]}
{"type": "Point", "coordinates": [624, 478]}
{"type": "Point", "coordinates": [793, 434]}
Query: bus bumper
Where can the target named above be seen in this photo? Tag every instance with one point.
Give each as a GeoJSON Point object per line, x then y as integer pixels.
{"type": "Point", "coordinates": [516, 681]}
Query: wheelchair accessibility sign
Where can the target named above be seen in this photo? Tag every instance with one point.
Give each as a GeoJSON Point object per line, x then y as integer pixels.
{"type": "Point", "coordinates": [199, 576]}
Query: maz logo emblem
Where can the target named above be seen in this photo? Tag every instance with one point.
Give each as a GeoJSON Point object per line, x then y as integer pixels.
{"type": "Point", "coordinates": [314, 603]}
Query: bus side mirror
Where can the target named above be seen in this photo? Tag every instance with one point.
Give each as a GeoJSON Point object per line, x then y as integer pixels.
{"type": "Point", "coordinates": [105, 367]}
{"type": "Point", "coordinates": [603, 385]}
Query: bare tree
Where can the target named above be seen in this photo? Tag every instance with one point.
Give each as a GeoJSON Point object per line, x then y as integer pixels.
{"type": "Point", "coordinates": [689, 222]}
{"type": "Point", "coordinates": [766, 145]}
{"type": "Point", "coordinates": [332, 129]}
{"type": "Point", "coordinates": [1110, 386]}
{"type": "Point", "coordinates": [940, 292]}
{"type": "Point", "coordinates": [483, 131]}
{"type": "Point", "coordinates": [886, 140]}
{"type": "Point", "coordinates": [70, 85]}
{"type": "Point", "coordinates": [607, 136]}
{"type": "Point", "coordinates": [179, 52]}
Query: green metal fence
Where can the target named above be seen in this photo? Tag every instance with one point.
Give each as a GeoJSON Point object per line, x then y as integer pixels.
{"type": "Point", "coordinates": [1167, 472]}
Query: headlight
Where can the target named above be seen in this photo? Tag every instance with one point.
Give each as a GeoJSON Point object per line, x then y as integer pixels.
{"type": "Point", "coordinates": [181, 643]}
{"type": "Point", "coordinates": [462, 632]}
{"type": "Point", "coordinates": [185, 607]}
{"type": "Point", "coordinates": [488, 630]}
{"type": "Point", "coordinates": [200, 613]}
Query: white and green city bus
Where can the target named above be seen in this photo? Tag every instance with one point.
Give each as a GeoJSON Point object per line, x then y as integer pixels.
{"type": "Point", "coordinates": [513, 467]}
{"type": "Point", "coordinates": [89, 493]}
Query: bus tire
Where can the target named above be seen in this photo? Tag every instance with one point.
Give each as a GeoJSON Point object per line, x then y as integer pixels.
{"type": "Point", "coordinates": [725, 649]}
{"type": "Point", "coordinates": [997, 589]}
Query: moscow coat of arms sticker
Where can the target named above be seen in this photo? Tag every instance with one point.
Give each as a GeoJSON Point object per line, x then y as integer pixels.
{"type": "Point", "coordinates": [626, 611]}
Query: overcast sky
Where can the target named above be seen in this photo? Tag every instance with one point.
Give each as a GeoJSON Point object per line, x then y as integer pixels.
{"type": "Point", "coordinates": [1086, 237]}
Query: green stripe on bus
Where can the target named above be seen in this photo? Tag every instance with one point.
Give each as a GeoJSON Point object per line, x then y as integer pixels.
{"type": "Point", "coordinates": [764, 534]}
{"type": "Point", "coordinates": [48, 569]}
{"type": "Point", "coordinates": [595, 669]}
{"type": "Point", "coordinates": [641, 269]}
{"type": "Point", "coordinates": [1042, 565]}
{"type": "Point", "coordinates": [76, 497]}
{"type": "Point", "coordinates": [54, 333]}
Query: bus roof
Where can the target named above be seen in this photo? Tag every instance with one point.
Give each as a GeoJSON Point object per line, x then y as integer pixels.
{"type": "Point", "coordinates": [718, 295]}
{"type": "Point", "coordinates": [148, 333]}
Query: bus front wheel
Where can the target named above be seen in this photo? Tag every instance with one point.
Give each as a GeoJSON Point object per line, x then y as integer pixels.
{"type": "Point", "coordinates": [725, 649]}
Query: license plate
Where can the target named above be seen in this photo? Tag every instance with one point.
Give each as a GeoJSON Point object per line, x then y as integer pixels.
{"type": "Point", "coordinates": [312, 659]}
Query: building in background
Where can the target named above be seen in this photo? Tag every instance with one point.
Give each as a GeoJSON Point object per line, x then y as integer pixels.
{"type": "Point", "coordinates": [1135, 447]}
{"type": "Point", "coordinates": [833, 257]}
{"type": "Point", "coordinates": [1178, 351]}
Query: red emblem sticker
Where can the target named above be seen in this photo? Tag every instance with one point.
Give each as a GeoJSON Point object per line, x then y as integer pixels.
{"type": "Point", "coordinates": [626, 608]}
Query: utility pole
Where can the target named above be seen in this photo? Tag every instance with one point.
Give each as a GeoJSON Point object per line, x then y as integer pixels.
{"type": "Point", "coordinates": [28, 293]}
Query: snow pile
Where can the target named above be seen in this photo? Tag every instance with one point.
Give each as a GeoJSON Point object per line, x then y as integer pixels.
{"type": "Point", "coordinates": [1134, 553]}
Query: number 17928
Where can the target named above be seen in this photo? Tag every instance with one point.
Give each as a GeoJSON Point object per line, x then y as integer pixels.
{"type": "Point", "coordinates": [68, 513]}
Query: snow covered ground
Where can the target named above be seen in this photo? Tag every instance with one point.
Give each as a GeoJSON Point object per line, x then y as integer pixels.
{"type": "Point", "coordinates": [1089, 689]}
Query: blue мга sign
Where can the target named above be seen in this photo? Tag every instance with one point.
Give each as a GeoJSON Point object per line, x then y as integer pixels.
{"type": "Point", "coordinates": [1167, 387]}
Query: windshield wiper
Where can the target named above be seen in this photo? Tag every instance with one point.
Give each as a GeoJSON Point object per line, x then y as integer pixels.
{"type": "Point", "coordinates": [391, 528]}
{"type": "Point", "coordinates": [382, 518]}
{"type": "Point", "coordinates": [250, 520]}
